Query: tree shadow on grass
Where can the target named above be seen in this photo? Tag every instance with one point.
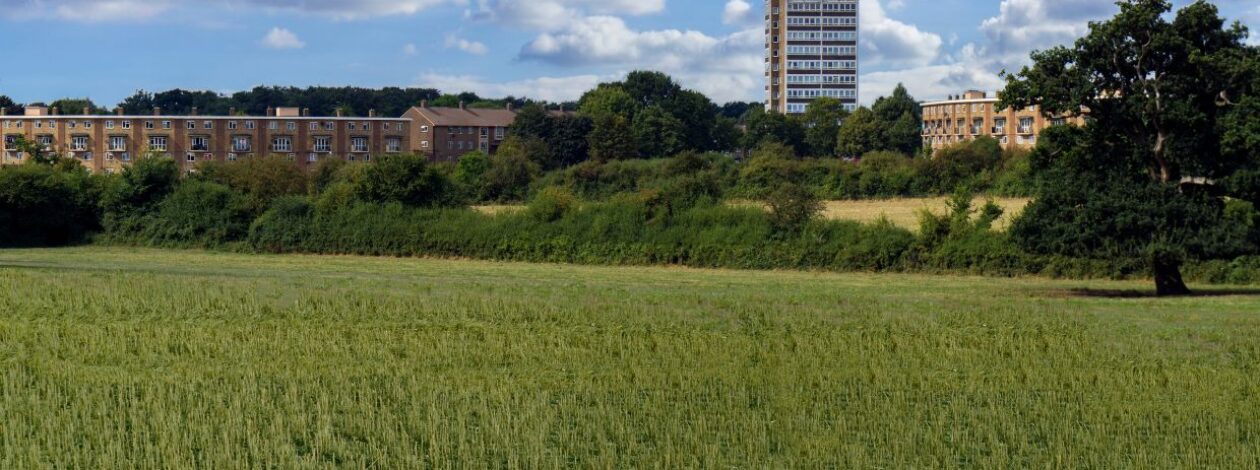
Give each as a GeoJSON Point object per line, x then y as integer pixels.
{"type": "Point", "coordinates": [1150, 294]}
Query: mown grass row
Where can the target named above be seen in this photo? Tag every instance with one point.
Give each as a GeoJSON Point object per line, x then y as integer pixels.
{"type": "Point", "coordinates": [150, 358]}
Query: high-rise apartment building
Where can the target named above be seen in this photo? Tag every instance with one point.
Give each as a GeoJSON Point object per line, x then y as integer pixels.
{"type": "Point", "coordinates": [811, 52]}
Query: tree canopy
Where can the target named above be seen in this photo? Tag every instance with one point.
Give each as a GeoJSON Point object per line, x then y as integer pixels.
{"type": "Point", "coordinates": [1171, 105]}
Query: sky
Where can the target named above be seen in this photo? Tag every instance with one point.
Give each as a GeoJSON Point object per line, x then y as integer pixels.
{"type": "Point", "coordinates": [542, 49]}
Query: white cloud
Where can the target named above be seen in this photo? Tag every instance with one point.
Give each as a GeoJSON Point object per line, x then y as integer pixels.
{"type": "Point", "coordinates": [112, 10]}
{"type": "Point", "coordinates": [471, 47]}
{"type": "Point", "coordinates": [280, 38]}
{"type": "Point", "coordinates": [87, 11]}
{"type": "Point", "coordinates": [545, 88]}
{"type": "Point", "coordinates": [737, 11]}
{"type": "Point", "coordinates": [555, 14]}
{"type": "Point", "coordinates": [888, 42]}
{"type": "Point", "coordinates": [409, 49]}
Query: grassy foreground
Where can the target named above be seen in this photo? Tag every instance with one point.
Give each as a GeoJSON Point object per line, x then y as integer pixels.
{"type": "Point", "coordinates": [160, 359]}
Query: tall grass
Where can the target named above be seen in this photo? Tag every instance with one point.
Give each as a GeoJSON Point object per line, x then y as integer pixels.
{"type": "Point", "coordinates": [139, 358]}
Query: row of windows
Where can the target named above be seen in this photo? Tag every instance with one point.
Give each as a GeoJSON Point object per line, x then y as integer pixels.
{"type": "Point", "coordinates": [822, 50]}
{"type": "Point", "coordinates": [822, 36]}
{"type": "Point", "coordinates": [821, 21]}
{"type": "Point", "coordinates": [819, 93]}
{"type": "Point", "coordinates": [820, 6]}
{"type": "Point", "coordinates": [943, 110]}
{"type": "Point", "coordinates": [202, 143]}
{"type": "Point", "coordinates": [798, 108]}
{"type": "Point", "coordinates": [272, 125]}
{"type": "Point", "coordinates": [822, 64]}
{"type": "Point", "coordinates": [821, 79]}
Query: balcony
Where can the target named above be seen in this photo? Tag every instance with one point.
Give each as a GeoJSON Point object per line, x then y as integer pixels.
{"type": "Point", "coordinates": [1025, 129]}
{"type": "Point", "coordinates": [975, 130]}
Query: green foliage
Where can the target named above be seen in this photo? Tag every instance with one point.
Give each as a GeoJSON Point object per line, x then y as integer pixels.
{"type": "Point", "coordinates": [657, 133]}
{"type": "Point", "coordinates": [508, 177]}
{"type": "Point", "coordinates": [200, 214]}
{"type": "Point", "coordinates": [612, 139]}
{"type": "Point", "coordinates": [901, 120]}
{"type": "Point", "coordinates": [861, 133]}
{"type": "Point", "coordinates": [762, 127]}
{"type": "Point", "coordinates": [792, 207]}
{"type": "Point", "coordinates": [608, 99]}
{"type": "Point", "coordinates": [404, 179]}
{"type": "Point", "coordinates": [137, 191]}
{"type": "Point", "coordinates": [43, 205]}
{"type": "Point", "coordinates": [1158, 90]}
{"type": "Point", "coordinates": [822, 123]}
{"type": "Point", "coordinates": [262, 179]}
{"type": "Point", "coordinates": [551, 204]}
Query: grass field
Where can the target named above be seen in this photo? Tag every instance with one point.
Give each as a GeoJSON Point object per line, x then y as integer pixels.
{"type": "Point", "coordinates": [903, 212]}
{"type": "Point", "coordinates": [159, 359]}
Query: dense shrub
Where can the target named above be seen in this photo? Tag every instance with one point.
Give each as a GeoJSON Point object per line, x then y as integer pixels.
{"type": "Point", "coordinates": [551, 204]}
{"type": "Point", "coordinates": [200, 214]}
{"type": "Point", "coordinates": [792, 207]}
{"type": "Point", "coordinates": [261, 179]}
{"type": "Point", "coordinates": [47, 205]}
{"type": "Point", "coordinates": [405, 179]}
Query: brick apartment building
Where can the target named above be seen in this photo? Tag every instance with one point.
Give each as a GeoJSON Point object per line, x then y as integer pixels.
{"type": "Point", "coordinates": [105, 143]}
{"type": "Point", "coordinates": [975, 113]}
{"type": "Point", "coordinates": [811, 52]}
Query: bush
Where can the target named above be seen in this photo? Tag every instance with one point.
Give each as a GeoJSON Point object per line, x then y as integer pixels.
{"type": "Point", "coordinates": [792, 207]}
{"type": "Point", "coordinates": [405, 179]}
{"type": "Point", "coordinates": [200, 214]}
{"type": "Point", "coordinates": [43, 205]}
{"type": "Point", "coordinates": [259, 179]}
{"type": "Point", "coordinates": [551, 204]}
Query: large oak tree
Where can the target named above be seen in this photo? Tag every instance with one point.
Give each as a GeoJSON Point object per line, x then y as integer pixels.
{"type": "Point", "coordinates": [1170, 103]}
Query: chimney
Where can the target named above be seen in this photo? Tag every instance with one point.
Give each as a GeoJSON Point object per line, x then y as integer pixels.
{"type": "Point", "coordinates": [306, 112]}
{"type": "Point", "coordinates": [271, 111]}
{"type": "Point", "coordinates": [510, 106]}
{"type": "Point", "coordinates": [157, 110]}
{"type": "Point", "coordinates": [461, 105]}
{"type": "Point", "coordinates": [53, 111]}
{"type": "Point", "coordinates": [424, 103]}
{"type": "Point", "coordinates": [118, 111]}
{"type": "Point", "coordinates": [232, 111]}
{"type": "Point", "coordinates": [371, 113]}
{"type": "Point", "coordinates": [193, 111]}
{"type": "Point", "coordinates": [340, 113]}
{"type": "Point", "coordinates": [4, 111]}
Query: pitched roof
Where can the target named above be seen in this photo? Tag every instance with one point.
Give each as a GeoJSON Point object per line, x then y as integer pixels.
{"type": "Point", "coordinates": [467, 116]}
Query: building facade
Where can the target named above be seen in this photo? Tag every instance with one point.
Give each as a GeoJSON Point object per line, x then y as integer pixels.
{"type": "Point", "coordinates": [974, 113]}
{"type": "Point", "coordinates": [811, 52]}
{"type": "Point", "coordinates": [445, 134]}
{"type": "Point", "coordinates": [106, 143]}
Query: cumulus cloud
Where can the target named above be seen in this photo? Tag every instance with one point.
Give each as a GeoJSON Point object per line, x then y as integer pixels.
{"type": "Point", "coordinates": [409, 49]}
{"type": "Point", "coordinates": [110, 10]}
{"type": "Point", "coordinates": [555, 89]}
{"type": "Point", "coordinates": [471, 47]}
{"type": "Point", "coordinates": [280, 38]}
{"type": "Point", "coordinates": [892, 43]}
{"type": "Point", "coordinates": [554, 14]}
{"type": "Point", "coordinates": [737, 11]}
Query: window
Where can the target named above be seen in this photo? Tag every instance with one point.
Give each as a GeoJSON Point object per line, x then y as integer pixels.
{"type": "Point", "coordinates": [87, 156]}
{"type": "Point", "coordinates": [367, 126]}
{"type": "Point", "coordinates": [249, 125]}
{"type": "Point", "coordinates": [126, 125]}
{"type": "Point", "coordinates": [52, 124]}
{"type": "Point", "coordinates": [1025, 125]}
{"type": "Point", "coordinates": [424, 144]}
{"type": "Point", "coordinates": [385, 126]}
{"type": "Point", "coordinates": [190, 157]}
{"type": "Point", "coordinates": [208, 124]}
{"type": "Point", "coordinates": [117, 143]}
{"type": "Point", "coordinates": [290, 125]}
{"type": "Point", "coordinates": [109, 124]}
{"type": "Point", "coordinates": [273, 125]}
{"type": "Point", "coordinates": [312, 157]}
{"type": "Point", "coordinates": [323, 143]}
{"type": "Point", "coordinates": [231, 157]}
{"type": "Point", "coordinates": [71, 124]}
{"type": "Point", "coordinates": [190, 125]}
{"type": "Point", "coordinates": [232, 125]}
{"type": "Point", "coordinates": [282, 144]}
{"type": "Point", "coordinates": [350, 126]}
{"type": "Point", "coordinates": [241, 143]}
{"type": "Point", "coordinates": [328, 126]}
{"type": "Point", "coordinates": [199, 143]}
{"type": "Point", "coordinates": [485, 132]}
{"type": "Point", "coordinates": [166, 124]}
{"type": "Point", "coordinates": [78, 143]}
{"type": "Point", "coordinates": [358, 144]}
{"type": "Point", "coordinates": [314, 126]}
{"type": "Point", "coordinates": [393, 145]}
{"type": "Point", "coordinates": [10, 141]}
{"type": "Point", "coordinates": [498, 133]}
{"type": "Point", "coordinates": [86, 124]}
{"type": "Point", "coordinates": [126, 157]}
{"type": "Point", "coordinates": [424, 129]}
{"type": "Point", "coordinates": [157, 143]}
{"type": "Point", "coordinates": [148, 124]}
{"type": "Point", "coordinates": [45, 141]}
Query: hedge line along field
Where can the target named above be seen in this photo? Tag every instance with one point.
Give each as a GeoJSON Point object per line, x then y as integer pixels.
{"type": "Point", "coordinates": [156, 359]}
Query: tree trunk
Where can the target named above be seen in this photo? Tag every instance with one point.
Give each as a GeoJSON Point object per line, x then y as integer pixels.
{"type": "Point", "coordinates": [1168, 280]}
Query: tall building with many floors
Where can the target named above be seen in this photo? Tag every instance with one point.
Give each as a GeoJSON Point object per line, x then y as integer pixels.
{"type": "Point", "coordinates": [811, 52]}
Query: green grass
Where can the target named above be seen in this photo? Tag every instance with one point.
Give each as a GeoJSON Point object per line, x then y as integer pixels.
{"type": "Point", "coordinates": [159, 359]}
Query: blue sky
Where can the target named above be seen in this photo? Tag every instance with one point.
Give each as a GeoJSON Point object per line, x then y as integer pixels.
{"type": "Point", "coordinates": [549, 49]}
